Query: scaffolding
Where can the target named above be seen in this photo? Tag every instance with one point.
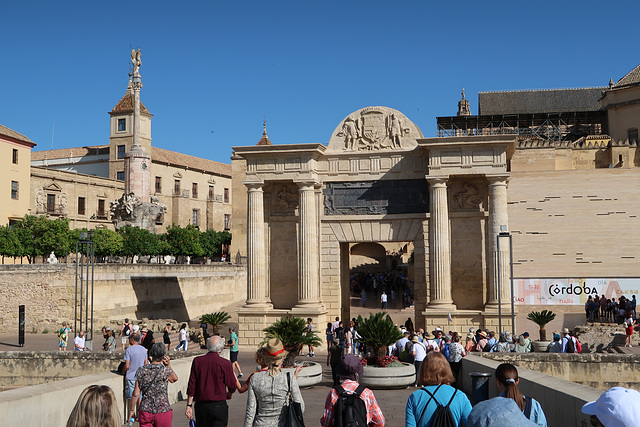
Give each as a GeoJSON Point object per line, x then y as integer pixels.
{"type": "Point", "coordinates": [554, 127]}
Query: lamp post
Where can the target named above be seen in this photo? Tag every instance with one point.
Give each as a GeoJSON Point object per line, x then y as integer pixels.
{"type": "Point", "coordinates": [504, 233]}
{"type": "Point", "coordinates": [83, 301]}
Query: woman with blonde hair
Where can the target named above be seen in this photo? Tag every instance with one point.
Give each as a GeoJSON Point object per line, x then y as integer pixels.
{"type": "Point", "coordinates": [96, 407]}
{"type": "Point", "coordinates": [436, 378]}
{"type": "Point", "coordinates": [507, 381]}
{"type": "Point", "coordinates": [269, 390]}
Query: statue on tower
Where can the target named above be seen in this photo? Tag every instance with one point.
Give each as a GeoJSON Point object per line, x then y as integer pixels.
{"type": "Point", "coordinates": [135, 60]}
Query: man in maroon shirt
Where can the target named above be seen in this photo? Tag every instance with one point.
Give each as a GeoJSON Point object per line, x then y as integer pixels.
{"type": "Point", "coordinates": [211, 383]}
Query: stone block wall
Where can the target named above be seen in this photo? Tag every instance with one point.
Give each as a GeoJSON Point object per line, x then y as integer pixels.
{"type": "Point", "coordinates": [136, 291]}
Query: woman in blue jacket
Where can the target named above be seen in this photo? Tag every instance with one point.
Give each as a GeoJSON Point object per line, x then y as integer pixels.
{"type": "Point", "coordinates": [507, 381]}
{"type": "Point", "coordinates": [435, 376]}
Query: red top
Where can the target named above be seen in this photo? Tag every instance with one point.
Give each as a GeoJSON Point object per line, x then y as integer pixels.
{"type": "Point", "coordinates": [211, 377]}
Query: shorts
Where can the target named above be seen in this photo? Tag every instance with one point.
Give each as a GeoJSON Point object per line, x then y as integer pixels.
{"type": "Point", "coordinates": [129, 386]}
{"type": "Point", "coordinates": [629, 331]}
{"type": "Point", "coordinates": [124, 340]}
{"type": "Point", "coordinates": [233, 356]}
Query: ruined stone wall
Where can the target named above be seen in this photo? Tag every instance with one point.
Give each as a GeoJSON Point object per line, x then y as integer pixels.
{"type": "Point", "coordinates": [136, 291]}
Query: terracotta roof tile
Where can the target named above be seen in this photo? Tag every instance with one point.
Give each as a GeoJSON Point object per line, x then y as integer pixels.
{"type": "Point", "coordinates": [178, 159]}
{"type": "Point", "coordinates": [126, 105]}
{"type": "Point", "coordinates": [5, 131]}
{"type": "Point", "coordinates": [632, 78]}
{"type": "Point", "coordinates": [62, 153]}
{"type": "Point", "coordinates": [540, 101]}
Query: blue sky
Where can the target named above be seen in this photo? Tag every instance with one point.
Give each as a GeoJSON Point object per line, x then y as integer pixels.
{"type": "Point", "coordinates": [212, 70]}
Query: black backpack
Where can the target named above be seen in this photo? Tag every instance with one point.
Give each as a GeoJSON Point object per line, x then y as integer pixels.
{"type": "Point", "coordinates": [442, 416]}
{"type": "Point", "coordinates": [571, 346]}
{"type": "Point", "coordinates": [350, 410]}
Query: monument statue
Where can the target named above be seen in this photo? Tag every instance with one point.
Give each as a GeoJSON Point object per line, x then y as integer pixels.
{"type": "Point", "coordinates": [373, 128]}
{"type": "Point", "coordinates": [129, 210]}
{"type": "Point", "coordinates": [135, 60]}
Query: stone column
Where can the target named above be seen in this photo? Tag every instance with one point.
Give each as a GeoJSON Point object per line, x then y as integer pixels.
{"type": "Point", "coordinates": [257, 281]}
{"type": "Point", "coordinates": [439, 245]}
{"type": "Point", "coordinates": [308, 244]}
{"type": "Point", "coordinates": [498, 216]}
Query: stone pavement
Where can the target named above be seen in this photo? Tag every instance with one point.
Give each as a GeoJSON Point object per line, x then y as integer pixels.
{"type": "Point", "coordinates": [392, 402]}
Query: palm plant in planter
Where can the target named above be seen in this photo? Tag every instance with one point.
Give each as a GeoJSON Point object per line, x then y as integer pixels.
{"type": "Point", "coordinates": [215, 319]}
{"type": "Point", "coordinates": [378, 332]}
{"type": "Point", "coordinates": [541, 318]}
{"type": "Point", "coordinates": [293, 333]}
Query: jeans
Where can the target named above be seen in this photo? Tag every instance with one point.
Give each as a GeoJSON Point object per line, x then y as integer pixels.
{"type": "Point", "coordinates": [182, 344]}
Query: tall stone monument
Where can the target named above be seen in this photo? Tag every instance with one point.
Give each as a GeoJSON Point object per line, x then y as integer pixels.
{"type": "Point", "coordinates": [136, 207]}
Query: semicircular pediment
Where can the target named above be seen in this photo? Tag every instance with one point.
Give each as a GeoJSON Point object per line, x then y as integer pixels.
{"type": "Point", "coordinates": [374, 129]}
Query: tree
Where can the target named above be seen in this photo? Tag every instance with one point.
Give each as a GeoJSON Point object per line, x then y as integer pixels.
{"type": "Point", "coordinates": [107, 242]}
{"type": "Point", "coordinates": [184, 241]}
{"type": "Point", "coordinates": [212, 241]}
{"type": "Point", "coordinates": [541, 318]}
{"type": "Point", "coordinates": [24, 230]}
{"type": "Point", "coordinates": [215, 319]}
{"type": "Point", "coordinates": [9, 242]}
{"type": "Point", "coordinates": [294, 334]}
{"type": "Point", "coordinates": [138, 241]}
{"type": "Point", "coordinates": [53, 236]}
{"type": "Point", "coordinates": [378, 332]}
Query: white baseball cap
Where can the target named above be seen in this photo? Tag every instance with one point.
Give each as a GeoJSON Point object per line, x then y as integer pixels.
{"type": "Point", "coordinates": [616, 407]}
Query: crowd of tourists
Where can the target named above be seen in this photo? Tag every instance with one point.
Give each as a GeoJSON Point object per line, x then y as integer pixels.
{"type": "Point", "coordinates": [599, 308]}
{"type": "Point", "coordinates": [385, 287]}
{"type": "Point", "coordinates": [274, 395]}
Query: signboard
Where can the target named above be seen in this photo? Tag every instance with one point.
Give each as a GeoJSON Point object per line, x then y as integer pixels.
{"type": "Point", "coordinates": [561, 291]}
{"type": "Point", "coordinates": [404, 196]}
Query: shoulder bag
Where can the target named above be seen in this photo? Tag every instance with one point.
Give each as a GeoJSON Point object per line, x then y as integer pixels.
{"type": "Point", "coordinates": [291, 415]}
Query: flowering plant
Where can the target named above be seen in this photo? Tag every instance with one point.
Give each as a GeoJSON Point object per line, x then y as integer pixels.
{"type": "Point", "coordinates": [381, 361]}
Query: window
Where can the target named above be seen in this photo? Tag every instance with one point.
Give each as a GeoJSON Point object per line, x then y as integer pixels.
{"type": "Point", "coordinates": [632, 135]}
{"type": "Point", "coordinates": [194, 190]}
{"type": "Point", "coordinates": [122, 125]}
{"type": "Point", "coordinates": [14, 190]}
{"type": "Point", "coordinates": [227, 221]}
{"type": "Point", "coordinates": [15, 156]}
{"type": "Point", "coordinates": [176, 187]}
{"type": "Point", "coordinates": [211, 194]}
{"type": "Point", "coordinates": [101, 212]}
{"type": "Point", "coordinates": [120, 176]}
{"type": "Point", "coordinates": [51, 202]}
{"type": "Point", "coordinates": [158, 184]}
{"type": "Point", "coordinates": [195, 218]}
{"type": "Point", "coordinates": [81, 205]}
{"type": "Point", "coordinates": [226, 195]}
{"type": "Point", "coordinates": [121, 151]}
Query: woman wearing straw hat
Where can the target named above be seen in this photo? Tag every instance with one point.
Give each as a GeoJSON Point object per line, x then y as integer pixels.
{"type": "Point", "coordinates": [269, 390]}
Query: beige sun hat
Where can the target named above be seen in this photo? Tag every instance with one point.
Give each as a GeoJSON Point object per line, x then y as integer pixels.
{"type": "Point", "coordinates": [274, 351]}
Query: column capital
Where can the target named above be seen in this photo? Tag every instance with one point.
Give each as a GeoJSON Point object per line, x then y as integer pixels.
{"type": "Point", "coordinates": [253, 185]}
{"type": "Point", "coordinates": [498, 179]}
{"type": "Point", "coordinates": [437, 181]}
{"type": "Point", "coordinates": [308, 184]}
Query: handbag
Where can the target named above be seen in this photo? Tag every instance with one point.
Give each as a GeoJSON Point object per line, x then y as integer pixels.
{"type": "Point", "coordinates": [292, 411]}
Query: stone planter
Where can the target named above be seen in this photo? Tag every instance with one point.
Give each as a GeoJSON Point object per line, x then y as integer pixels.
{"type": "Point", "coordinates": [309, 376]}
{"type": "Point", "coordinates": [388, 378]}
{"type": "Point", "coordinates": [541, 346]}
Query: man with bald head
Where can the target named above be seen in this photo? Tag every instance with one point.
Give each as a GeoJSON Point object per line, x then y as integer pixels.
{"type": "Point", "coordinates": [211, 383]}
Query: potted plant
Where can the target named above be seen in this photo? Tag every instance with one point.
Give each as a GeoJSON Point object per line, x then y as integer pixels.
{"type": "Point", "coordinates": [294, 334]}
{"type": "Point", "coordinates": [541, 318]}
{"type": "Point", "coordinates": [215, 319]}
{"type": "Point", "coordinates": [378, 332]}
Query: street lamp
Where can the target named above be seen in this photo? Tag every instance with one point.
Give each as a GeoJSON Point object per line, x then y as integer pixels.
{"type": "Point", "coordinates": [85, 249]}
{"type": "Point", "coordinates": [505, 233]}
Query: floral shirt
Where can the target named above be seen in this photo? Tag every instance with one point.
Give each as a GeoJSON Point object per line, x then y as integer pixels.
{"type": "Point", "coordinates": [455, 352]}
{"type": "Point", "coordinates": [152, 379]}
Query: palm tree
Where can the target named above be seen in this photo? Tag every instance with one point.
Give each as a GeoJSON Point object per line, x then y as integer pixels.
{"type": "Point", "coordinates": [541, 318]}
{"type": "Point", "coordinates": [378, 332]}
{"type": "Point", "coordinates": [215, 319]}
{"type": "Point", "coordinates": [294, 334]}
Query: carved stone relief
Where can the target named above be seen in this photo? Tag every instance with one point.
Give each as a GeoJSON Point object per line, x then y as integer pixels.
{"type": "Point", "coordinates": [374, 128]}
{"type": "Point", "coordinates": [285, 199]}
{"type": "Point", "coordinates": [467, 195]}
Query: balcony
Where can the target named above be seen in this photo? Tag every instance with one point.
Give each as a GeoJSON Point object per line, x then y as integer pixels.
{"type": "Point", "coordinates": [182, 193]}
{"type": "Point", "coordinates": [215, 198]}
{"type": "Point", "coordinates": [52, 210]}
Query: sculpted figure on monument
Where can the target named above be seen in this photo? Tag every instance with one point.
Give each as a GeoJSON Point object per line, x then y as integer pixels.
{"type": "Point", "coordinates": [135, 60]}
{"type": "Point", "coordinates": [469, 197]}
{"type": "Point", "coordinates": [351, 133]}
{"type": "Point", "coordinates": [395, 131]}
{"type": "Point", "coordinates": [373, 129]}
{"type": "Point", "coordinates": [286, 200]}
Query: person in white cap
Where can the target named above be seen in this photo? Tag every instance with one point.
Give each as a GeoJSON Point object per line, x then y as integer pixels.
{"type": "Point", "coordinates": [565, 340]}
{"type": "Point", "coordinates": [616, 407]}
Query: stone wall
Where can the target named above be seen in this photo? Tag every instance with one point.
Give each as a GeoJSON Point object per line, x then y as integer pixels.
{"type": "Point", "coordinates": [596, 370]}
{"type": "Point", "coordinates": [27, 368]}
{"type": "Point", "coordinates": [136, 291]}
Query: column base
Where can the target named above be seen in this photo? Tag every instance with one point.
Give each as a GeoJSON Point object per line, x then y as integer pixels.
{"type": "Point", "coordinates": [441, 305]}
{"type": "Point", "coordinates": [493, 306]}
{"type": "Point", "coordinates": [258, 305]}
